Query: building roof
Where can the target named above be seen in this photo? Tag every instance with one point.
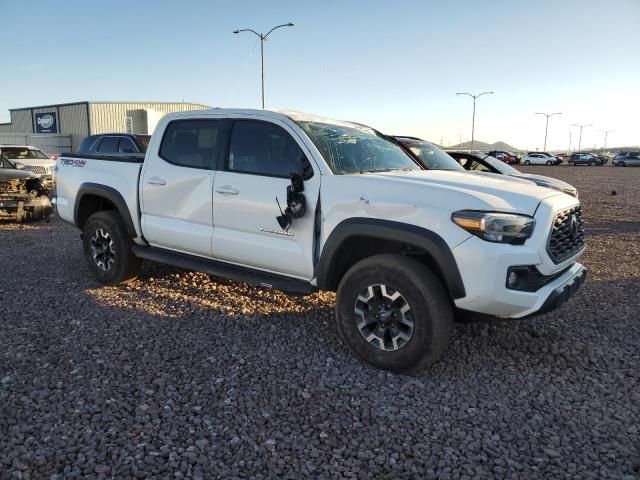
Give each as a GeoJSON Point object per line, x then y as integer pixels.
{"type": "Point", "coordinates": [86, 102]}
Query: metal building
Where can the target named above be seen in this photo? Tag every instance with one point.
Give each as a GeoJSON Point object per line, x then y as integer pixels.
{"type": "Point", "coordinates": [66, 124]}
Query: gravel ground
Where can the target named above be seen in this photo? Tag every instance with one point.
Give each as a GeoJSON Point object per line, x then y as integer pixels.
{"type": "Point", "coordinates": [178, 375]}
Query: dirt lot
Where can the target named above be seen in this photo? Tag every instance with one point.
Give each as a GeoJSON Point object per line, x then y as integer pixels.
{"type": "Point", "coordinates": [178, 375]}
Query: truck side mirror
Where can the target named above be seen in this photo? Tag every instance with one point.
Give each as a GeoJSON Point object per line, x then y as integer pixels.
{"type": "Point", "coordinates": [296, 203]}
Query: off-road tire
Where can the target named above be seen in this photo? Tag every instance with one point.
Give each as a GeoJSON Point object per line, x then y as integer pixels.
{"type": "Point", "coordinates": [430, 308]}
{"type": "Point", "coordinates": [126, 265]}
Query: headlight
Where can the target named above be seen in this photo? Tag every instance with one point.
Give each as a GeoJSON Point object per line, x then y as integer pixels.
{"type": "Point", "coordinates": [496, 227]}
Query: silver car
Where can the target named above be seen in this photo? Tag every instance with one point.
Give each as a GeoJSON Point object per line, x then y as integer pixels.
{"type": "Point", "coordinates": [627, 159]}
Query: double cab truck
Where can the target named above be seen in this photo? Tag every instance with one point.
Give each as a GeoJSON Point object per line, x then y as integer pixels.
{"type": "Point", "coordinates": [297, 202]}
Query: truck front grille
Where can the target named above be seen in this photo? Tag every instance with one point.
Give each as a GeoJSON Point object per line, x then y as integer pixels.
{"type": "Point", "coordinates": [37, 169]}
{"type": "Point", "coordinates": [567, 235]}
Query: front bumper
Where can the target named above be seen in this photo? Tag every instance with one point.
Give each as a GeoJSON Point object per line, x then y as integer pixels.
{"type": "Point", "coordinates": [562, 293]}
{"type": "Point", "coordinates": [484, 266]}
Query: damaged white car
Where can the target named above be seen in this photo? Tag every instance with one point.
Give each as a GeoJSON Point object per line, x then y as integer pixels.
{"type": "Point", "coordinates": [23, 194]}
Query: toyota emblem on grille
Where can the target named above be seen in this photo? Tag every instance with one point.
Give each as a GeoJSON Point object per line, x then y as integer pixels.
{"type": "Point", "coordinates": [573, 226]}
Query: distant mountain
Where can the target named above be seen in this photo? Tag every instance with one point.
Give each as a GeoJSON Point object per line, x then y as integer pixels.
{"type": "Point", "coordinates": [478, 145]}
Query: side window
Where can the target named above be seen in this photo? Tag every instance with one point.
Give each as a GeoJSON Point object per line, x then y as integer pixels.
{"type": "Point", "coordinates": [127, 146]}
{"type": "Point", "coordinates": [108, 145]}
{"type": "Point", "coordinates": [193, 143]}
{"type": "Point", "coordinates": [263, 148]}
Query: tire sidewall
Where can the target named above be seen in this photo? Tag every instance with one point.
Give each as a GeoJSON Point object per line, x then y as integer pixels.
{"type": "Point", "coordinates": [431, 314]}
{"type": "Point", "coordinates": [110, 223]}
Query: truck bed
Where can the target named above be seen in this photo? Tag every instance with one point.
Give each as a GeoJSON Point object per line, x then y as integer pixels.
{"type": "Point", "coordinates": [81, 174]}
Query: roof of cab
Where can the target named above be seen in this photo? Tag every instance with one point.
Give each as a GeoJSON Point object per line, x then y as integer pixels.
{"type": "Point", "coordinates": [294, 115]}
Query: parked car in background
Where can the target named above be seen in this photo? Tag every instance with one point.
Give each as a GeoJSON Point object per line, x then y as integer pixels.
{"type": "Point", "coordinates": [403, 246]}
{"type": "Point", "coordinates": [506, 157]}
{"type": "Point", "coordinates": [627, 159]}
{"type": "Point", "coordinates": [33, 159]}
{"type": "Point", "coordinates": [430, 156]}
{"type": "Point", "coordinates": [540, 158]}
{"type": "Point", "coordinates": [584, 158]}
{"type": "Point", "coordinates": [114, 143]}
{"type": "Point", "coordinates": [487, 164]}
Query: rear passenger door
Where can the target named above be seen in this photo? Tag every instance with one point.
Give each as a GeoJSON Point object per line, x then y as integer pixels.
{"type": "Point", "coordinates": [176, 185]}
{"type": "Point", "coordinates": [261, 157]}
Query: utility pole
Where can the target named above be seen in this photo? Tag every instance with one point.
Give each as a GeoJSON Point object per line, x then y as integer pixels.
{"type": "Point", "coordinates": [569, 141]}
{"type": "Point", "coordinates": [546, 127]}
{"type": "Point", "coordinates": [263, 38]}
{"type": "Point", "coordinates": [580, 137]}
{"type": "Point", "coordinates": [473, 118]}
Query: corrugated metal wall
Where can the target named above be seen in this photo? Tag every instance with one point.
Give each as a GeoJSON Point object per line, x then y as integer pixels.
{"type": "Point", "coordinates": [109, 117]}
{"type": "Point", "coordinates": [20, 122]}
{"type": "Point", "coordinates": [74, 120]}
{"type": "Point", "coordinates": [102, 117]}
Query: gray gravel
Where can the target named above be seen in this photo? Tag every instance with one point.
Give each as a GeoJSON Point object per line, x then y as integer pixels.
{"type": "Point", "coordinates": [181, 376]}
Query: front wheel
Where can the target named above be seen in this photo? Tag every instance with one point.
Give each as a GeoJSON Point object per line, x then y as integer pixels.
{"type": "Point", "coordinates": [572, 164]}
{"type": "Point", "coordinates": [527, 162]}
{"type": "Point", "coordinates": [549, 163]}
{"type": "Point", "coordinates": [621, 164]}
{"type": "Point", "coordinates": [394, 313]}
{"type": "Point", "coordinates": [107, 249]}
{"type": "Point", "coordinates": [592, 164]}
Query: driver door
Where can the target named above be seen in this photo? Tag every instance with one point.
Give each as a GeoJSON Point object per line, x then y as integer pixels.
{"type": "Point", "coordinates": [261, 157]}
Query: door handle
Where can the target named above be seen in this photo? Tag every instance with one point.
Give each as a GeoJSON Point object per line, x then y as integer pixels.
{"type": "Point", "coordinates": [156, 181]}
{"type": "Point", "coordinates": [227, 190]}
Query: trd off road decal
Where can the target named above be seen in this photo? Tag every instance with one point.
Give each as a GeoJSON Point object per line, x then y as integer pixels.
{"type": "Point", "coordinates": [73, 162]}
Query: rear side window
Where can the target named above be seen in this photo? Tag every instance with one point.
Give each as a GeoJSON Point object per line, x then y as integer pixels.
{"type": "Point", "coordinates": [262, 148]}
{"type": "Point", "coordinates": [193, 143]}
{"type": "Point", "coordinates": [86, 144]}
{"type": "Point", "coordinates": [108, 145]}
{"type": "Point", "coordinates": [127, 146]}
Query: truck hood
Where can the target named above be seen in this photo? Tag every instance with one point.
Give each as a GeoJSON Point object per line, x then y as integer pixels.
{"type": "Point", "coordinates": [551, 182]}
{"type": "Point", "coordinates": [499, 192]}
{"type": "Point", "coordinates": [8, 174]}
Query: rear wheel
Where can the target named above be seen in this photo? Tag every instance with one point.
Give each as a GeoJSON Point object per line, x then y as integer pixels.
{"type": "Point", "coordinates": [592, 163]}
{"type": "Point", "coordinates": [572, 163]}
{"type": "Point", "coordinates": [107, 249]}
{"type": "Point", "coordinates": [527, 162]}
{"type": "Point", "coordinates": [394, 313]}
{"type": "Point", "coordinates": [549, 162]}
{"type": "Point", "coordinates": [621, 164]}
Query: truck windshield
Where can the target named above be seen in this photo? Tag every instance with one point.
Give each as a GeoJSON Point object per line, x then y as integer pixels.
{"type": "Point", "coordinates": [17, 153]}
{"type": "Point", "coordinates": [356, 149]}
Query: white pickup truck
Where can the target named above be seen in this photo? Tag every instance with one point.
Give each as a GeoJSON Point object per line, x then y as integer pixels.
{"type": "Point", "coordinates": [297, 202]}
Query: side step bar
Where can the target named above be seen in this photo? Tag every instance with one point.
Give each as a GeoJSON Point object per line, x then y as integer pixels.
{"type": "Point", "coordinates": [224, 270]}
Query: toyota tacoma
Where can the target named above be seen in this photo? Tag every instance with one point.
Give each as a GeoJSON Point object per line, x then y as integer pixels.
{"type": "Point", "coordinates": [297, 202]}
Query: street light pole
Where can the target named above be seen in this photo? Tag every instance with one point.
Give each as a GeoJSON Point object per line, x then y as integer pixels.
{"type": "Point", "coordinates": [473, 118]}
{"type": "Point", "coordinates": [606, 132]}
{"type": "Point", "coordinates": [580, 137]}
{"type": "Point", "coordinates": [546, 128]}
{"type": "Point", "coordinates": [263, 38]}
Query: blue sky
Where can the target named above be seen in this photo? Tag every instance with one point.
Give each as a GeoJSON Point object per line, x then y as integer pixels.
{"type": "Point", "coordinates": [393, 65]}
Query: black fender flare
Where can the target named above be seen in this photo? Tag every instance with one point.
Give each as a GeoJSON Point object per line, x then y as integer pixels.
{"type": "Point", "coordinates": [108, 193]}
{"type": "Point", "coordinates": [379, 229]}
